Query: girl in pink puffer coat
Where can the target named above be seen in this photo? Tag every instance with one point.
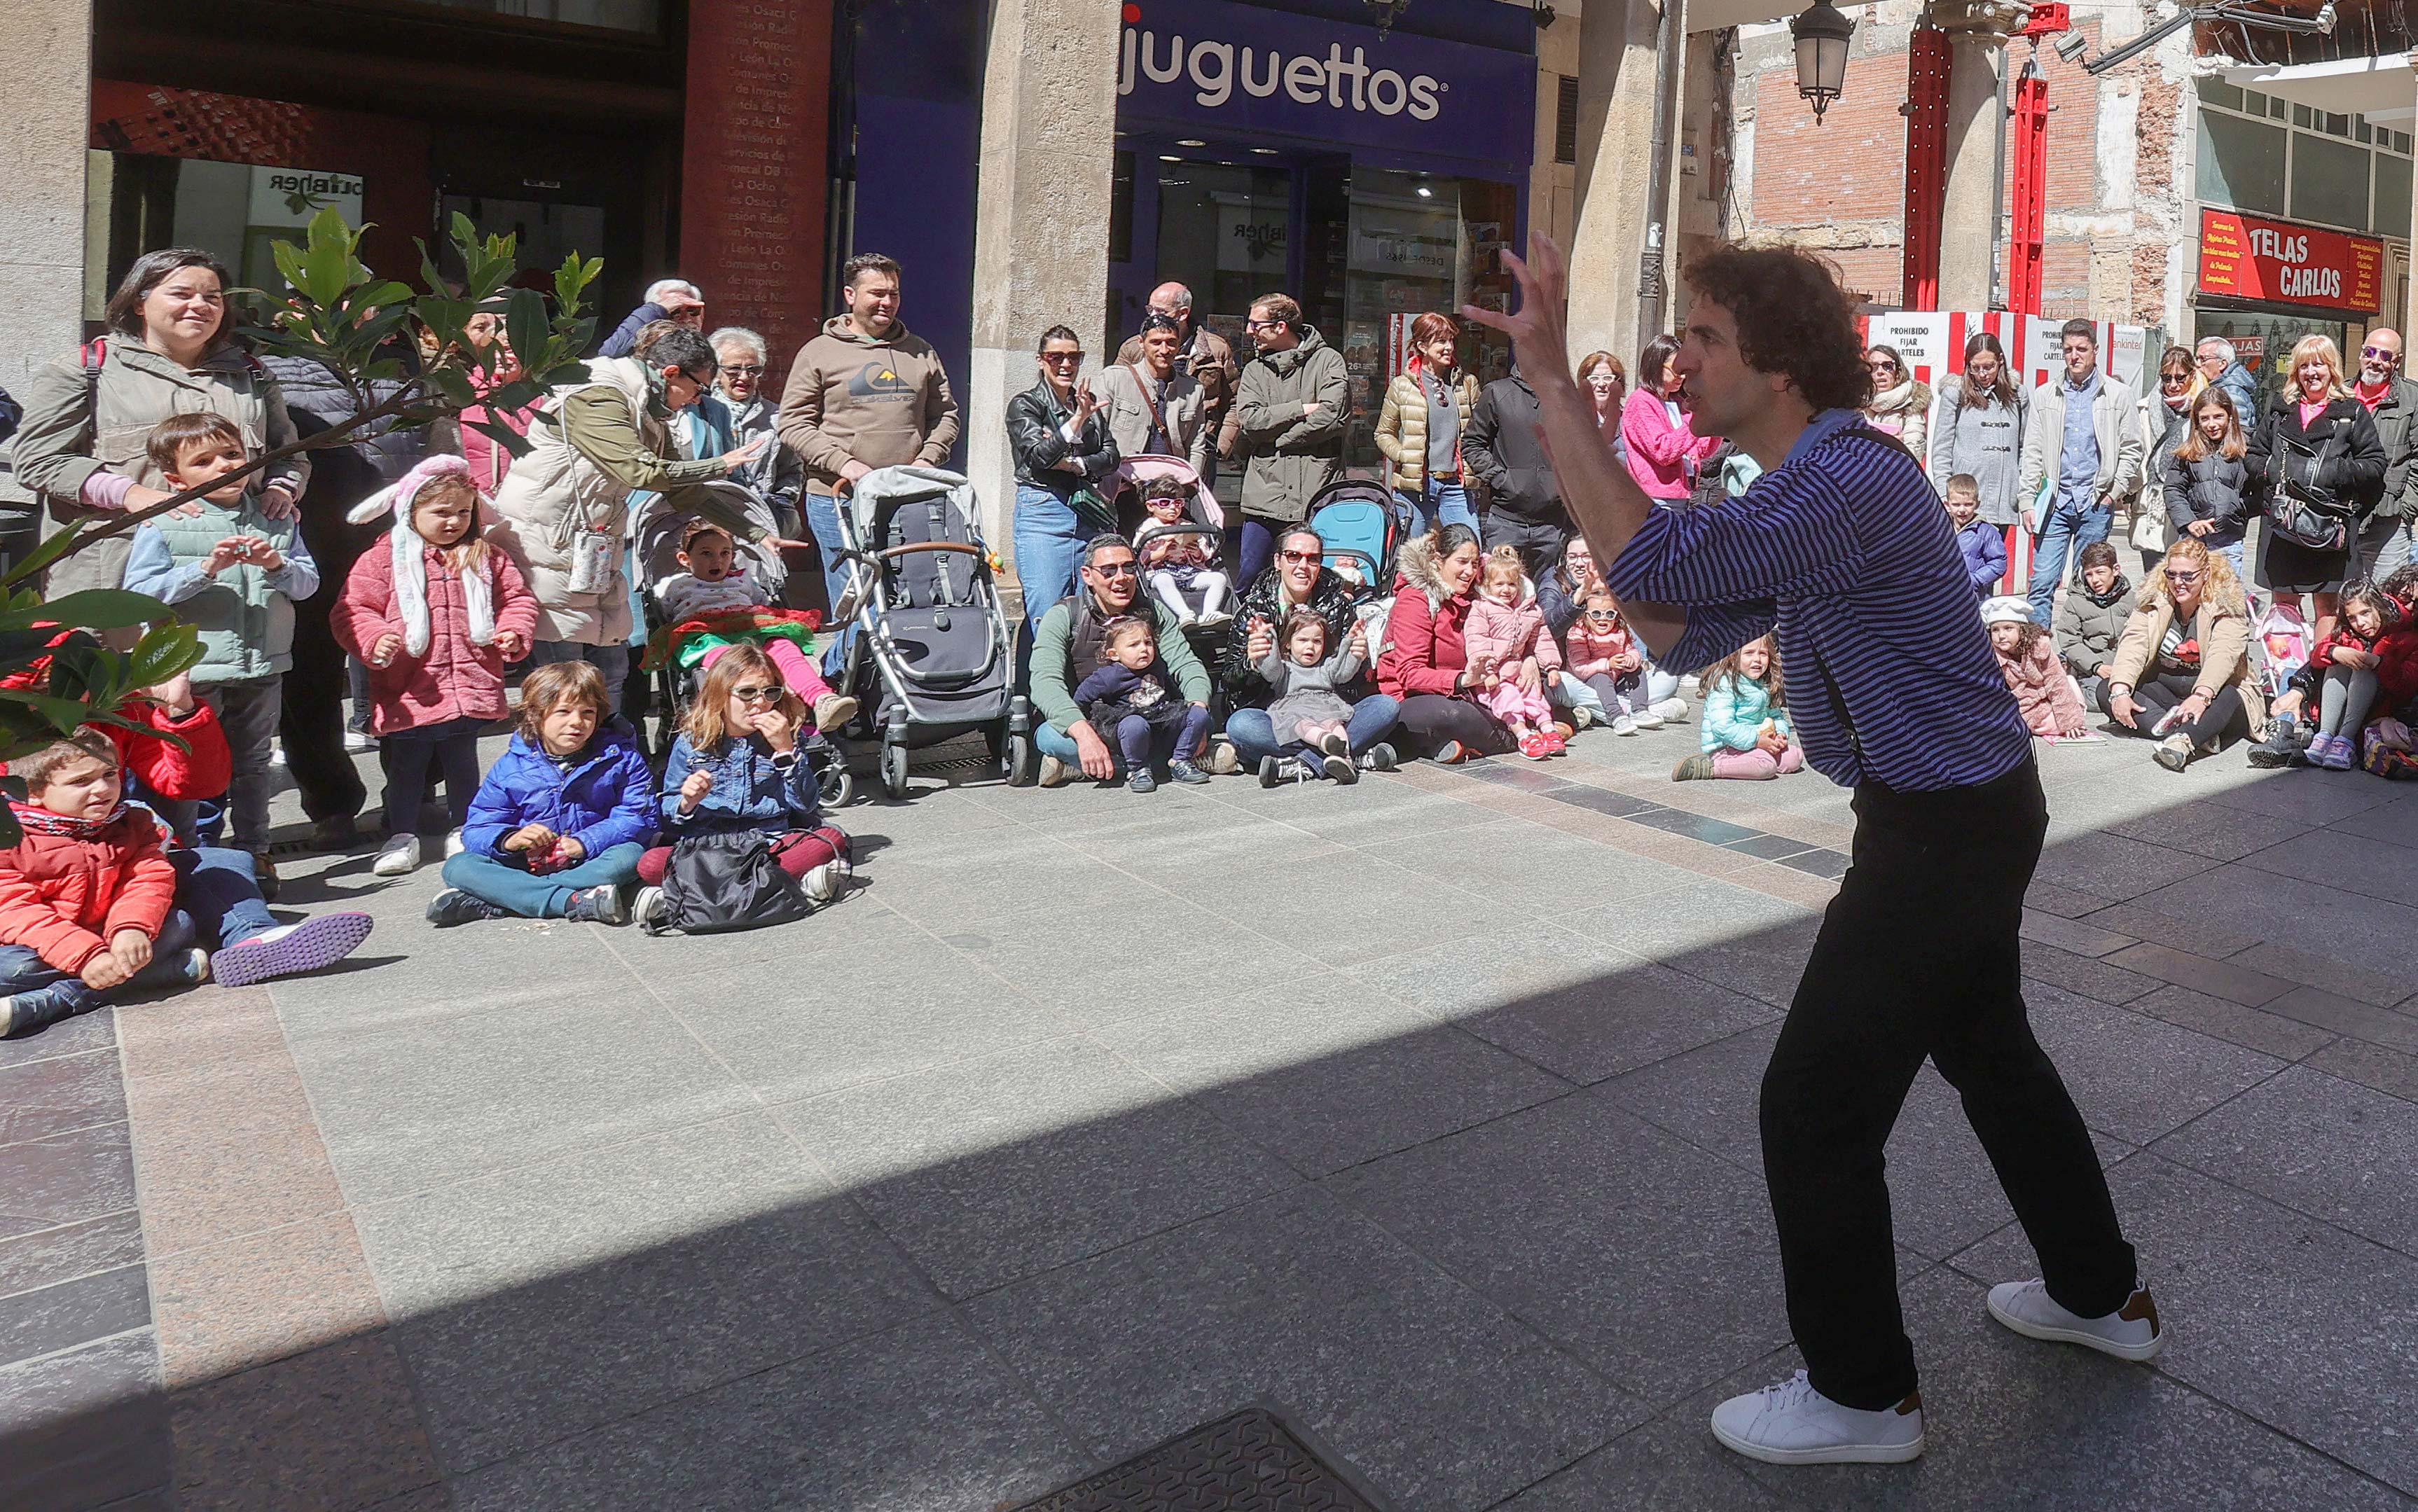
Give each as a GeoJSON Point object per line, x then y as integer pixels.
{"type": "Point", "coordinates": [1511, 653]}
{"type": "Point", "coordinates": [436, 613]}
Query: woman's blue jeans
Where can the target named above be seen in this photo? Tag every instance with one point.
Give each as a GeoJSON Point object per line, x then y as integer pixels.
{"type": "Point", "coordinates": [822, 522]}
{"type": "Point", "coordinates": [1438, 503]}
{"type": "Point", "coordinates": [1049, 546]}
{"type": "Point", "coordinates": [1255, 735]}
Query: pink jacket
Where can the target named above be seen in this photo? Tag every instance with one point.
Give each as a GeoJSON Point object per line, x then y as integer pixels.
{"type": "Point", "coordinates": [1591, 652]}
{"type": "Point", "coordinates": [1509, 636]}
{"type": "Point", "coordinates": [1660, 451]}
{"type": "Point", "coordinates": [2041, 686]}
{"type": "Point", "coordinates": [456, 680]}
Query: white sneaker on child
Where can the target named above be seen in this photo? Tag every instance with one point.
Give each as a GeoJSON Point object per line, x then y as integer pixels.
{"type": "Point", "coordinates": [825, 882]}
{"type": "Point", "coordinates": [1625, 723]}
{"type": "Point", "coordinates": [1670, 708]}
{"type": "Point", "coordinates": [399, 857]}
{"type": "Point", "coordinates": [453, 844]}
{"type": "Point", "coordinates": [1647, 719]}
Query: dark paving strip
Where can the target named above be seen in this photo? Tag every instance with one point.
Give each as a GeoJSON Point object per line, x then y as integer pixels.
{"type": "Point", "coordinates": [1814, 861]}
{"type": "Point", "coordinates": [77, 1351]}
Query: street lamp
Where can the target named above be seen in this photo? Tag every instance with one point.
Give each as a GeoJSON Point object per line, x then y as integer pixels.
{"type": "Point", "coordinates": [1822, 37]}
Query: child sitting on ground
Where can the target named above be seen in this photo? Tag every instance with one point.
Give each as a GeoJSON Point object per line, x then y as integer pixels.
{"type": "Point", "coordinates": [1509, 652]}
{"type": "Point", "coordinates": [2051, 704]}
{"type": "Point", "coordinates": [1132, 701]}
{"type": "Point", "coordinates": [2342, 673]}
{"type": "Point", "coordinates": [1745, 732]}
{"type": "Point", "coordinates": [1983, 548]}
{"type": "Point", "coordinates": [1174, 561]}
{"type": "Point", "coordinates": [234, 573]}
{"type": "Point", "coordinates": [86, 893]}
{"type": "Point", "coordinates": [714, 603]}
{"type": "Point", "coordinates": [1605, 677]}
{"type": "Point", "coordinates": [435, 615]}
{"type": "Point", "coordinates": [737, 767]}
{"type": "Point", "coordinates": [1307, 707]}
{"type": "Point", "coordinates": [558, 825]}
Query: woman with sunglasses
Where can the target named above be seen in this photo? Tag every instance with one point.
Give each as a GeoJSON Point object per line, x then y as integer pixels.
{"type": "Point", "coordinates": [2183, 675]}
{"type": "Point", "coordinates": [1059, 430]}
{"type": "Point", "coordinates": [2166, 425]}
{"type": "Point", "coordinates": [776, 476]}
{"type": "Point", "coordinates": [1901, 402]}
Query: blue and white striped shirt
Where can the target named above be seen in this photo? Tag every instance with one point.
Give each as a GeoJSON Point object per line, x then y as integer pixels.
{"type": "Point", "coordinates": [1844, 550]}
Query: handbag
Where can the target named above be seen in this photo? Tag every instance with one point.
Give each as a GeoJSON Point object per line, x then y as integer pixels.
{"type": "Point", "coordinates": [720, 883]}
{"type": "Point", "coordinates": [2299, 509]}
{"type": "Point", "coordinates": [2149, 529]}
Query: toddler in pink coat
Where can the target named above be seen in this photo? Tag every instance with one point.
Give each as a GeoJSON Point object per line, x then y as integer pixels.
{"type": "Point", "coordinates": [2051, 704]}
{"type": "Point", "coordinates": [1511, 653]}
{"type": "Point", "coordinates": [436, 613]}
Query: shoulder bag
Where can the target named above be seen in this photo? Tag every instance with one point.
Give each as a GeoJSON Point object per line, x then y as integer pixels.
{"type": "Point", "coordinates": [720, 883]}
{"type": "Point", "coordinates": [2299, 507]}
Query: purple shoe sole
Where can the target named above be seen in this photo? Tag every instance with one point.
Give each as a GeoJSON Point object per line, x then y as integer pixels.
{"type": "Point", "coordinates": [314, 945]}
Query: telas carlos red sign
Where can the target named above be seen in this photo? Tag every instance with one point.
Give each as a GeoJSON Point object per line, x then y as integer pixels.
{"type": "Point", "coordinates": [2247, 257]}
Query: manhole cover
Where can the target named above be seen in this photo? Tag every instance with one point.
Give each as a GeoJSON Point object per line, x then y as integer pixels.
{"type": "Point", "coordinates": [1254, 1461]}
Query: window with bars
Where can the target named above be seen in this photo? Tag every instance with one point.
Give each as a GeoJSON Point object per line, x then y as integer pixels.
{"type": "Point", "coordinates": [1566, 121]}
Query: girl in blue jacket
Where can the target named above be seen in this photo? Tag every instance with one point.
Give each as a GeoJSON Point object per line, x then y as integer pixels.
{"type": "Point", "coordinates": [557, 826]}
{"type": "Point", "coordinates": [736, 766]}
{"type": "Point", "coordinates": [1745, 731]}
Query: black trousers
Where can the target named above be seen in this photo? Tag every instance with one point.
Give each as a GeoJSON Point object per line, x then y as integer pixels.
{"type": "Point", "coordinates": [413, 760]}
{"type": "Point", "coordinates": [312, 722]}
{"type": "Point", "coordinates": [1429, 719]}
{"type": "Point", "coordinates": [1917, 958]}
{"type": "Point", "coordinates": [2225, 722]}
{"type": "Point", "coordinates": [1539, 542]}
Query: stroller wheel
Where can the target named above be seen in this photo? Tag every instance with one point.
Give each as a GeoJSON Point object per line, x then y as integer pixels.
{"type": "Point", "coordinates": [1016, 761]}
{"type": "Point", "coordinates": [838, 785]}
{"type": "Point", "coordinates": [893, 770]}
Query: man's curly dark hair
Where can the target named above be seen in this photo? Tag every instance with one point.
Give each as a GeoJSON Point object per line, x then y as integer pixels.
{"type": "Point", "coordinates": [1792, 318]}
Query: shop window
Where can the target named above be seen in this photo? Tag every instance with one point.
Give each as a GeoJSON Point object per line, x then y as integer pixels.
{"type": "Point", "coordinates": [615, 15]}
{"type": "Point", "coordinates": [2274, 107]}
{"type": "Point", "coordinates": [1418, 242]}
{"type": "Point", "coordinates": [2391, 196]}
{"type": "Point", "coordinates": [2240, 163]}
{"type": "Point", "coordinates": [1566, 121]}
{"type": "Point", "coordinates": [139, 202]}
{"type": "Point", "coordinates": [2334, 124]}
{"type": "Point", "coordinates": [2401, 142]}
{"type": "Point", "coordinates": [1226, 233]}
{"type": "Point", "coordinates": [1121, 196]}
{"type": "Point", "coordinates": [2329, 182]}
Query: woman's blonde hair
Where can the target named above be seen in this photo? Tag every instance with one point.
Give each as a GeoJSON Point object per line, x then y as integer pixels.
{"type": "Point", "coordinates": [2217, 584]}
{"type": "Point", "coordinates": [2321, 347]}
{"type": "Point", "coordinates": [2194, 446]}
{"type": "Point", "coordinates": [707, 724]}
{"type": "Point", "coordinates": [470, 551]}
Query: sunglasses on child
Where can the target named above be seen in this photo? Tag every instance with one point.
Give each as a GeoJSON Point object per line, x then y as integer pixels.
{"type": "Point", "coordinates": [1603, 613]}
{"type": "Point", "coordinates": [757, 693]}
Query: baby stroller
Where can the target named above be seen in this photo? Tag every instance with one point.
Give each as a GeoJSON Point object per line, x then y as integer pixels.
{"type": "Point", "coordinates": [1363, 525]}
{"type": "Point", "coordinates": [655, 542]}
{"type": "Point", "coordinates": [935, 658]}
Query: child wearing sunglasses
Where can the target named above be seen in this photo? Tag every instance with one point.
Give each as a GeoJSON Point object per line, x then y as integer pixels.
{"type": "Point", "coordinates": [1604, 678]}
{"type": "Point", "coordinates": [737, 766]}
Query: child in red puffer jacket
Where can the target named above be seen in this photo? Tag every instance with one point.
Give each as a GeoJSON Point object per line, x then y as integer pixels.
{"type": "Point", "coordinates": [2347, 670]}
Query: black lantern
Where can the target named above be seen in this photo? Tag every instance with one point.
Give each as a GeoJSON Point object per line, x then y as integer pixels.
{"type": "Point", "coordinates": [1822, 37]}
{"type": "Point", "coordinates": [1387, 12]}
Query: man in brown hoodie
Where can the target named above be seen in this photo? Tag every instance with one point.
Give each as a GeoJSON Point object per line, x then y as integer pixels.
{"type": "Point", "coordinates": [863, 394]}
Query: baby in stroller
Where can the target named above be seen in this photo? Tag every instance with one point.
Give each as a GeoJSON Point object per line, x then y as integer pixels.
{"type": "Point", "coordinates": [1178, 558]}
{"type": "Point", "coordinates": [714, 603]}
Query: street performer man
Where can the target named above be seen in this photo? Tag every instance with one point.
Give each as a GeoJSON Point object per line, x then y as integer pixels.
{"type": "Point", "coordinates": [1841, 548]}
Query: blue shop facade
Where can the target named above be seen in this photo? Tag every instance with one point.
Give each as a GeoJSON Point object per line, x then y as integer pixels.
{"type": "Point", "coordinates": [1259, 148]}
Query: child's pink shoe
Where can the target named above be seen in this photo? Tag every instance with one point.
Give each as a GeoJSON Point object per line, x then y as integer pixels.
{"type": "Point", "coordinates": [1556, 741]}
{"type": "Point", "coordinates": [1534, 747]}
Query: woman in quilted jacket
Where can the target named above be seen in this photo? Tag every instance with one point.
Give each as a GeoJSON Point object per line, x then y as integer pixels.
{"type": "Point", "coordinates": [737, 767]}
{"type": "Point", "coordinates": [435, 616]}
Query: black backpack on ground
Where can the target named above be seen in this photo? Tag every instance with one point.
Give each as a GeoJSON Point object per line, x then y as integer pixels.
{"type": "Point", "coordinates": [718, 883]}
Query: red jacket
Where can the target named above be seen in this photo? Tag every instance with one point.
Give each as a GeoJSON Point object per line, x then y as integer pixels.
{"type": "Point", "coordinates": [456, 679]}
{"type": "Point", "coordinates": [63, 898]}
{"type": "Point", "coordinates": [1425, 647]}
{"type": "Point", "coordinates": [2396, 667]}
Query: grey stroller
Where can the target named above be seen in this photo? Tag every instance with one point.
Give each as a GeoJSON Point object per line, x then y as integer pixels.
{"type": "Point", "coordinates": [934, 656]}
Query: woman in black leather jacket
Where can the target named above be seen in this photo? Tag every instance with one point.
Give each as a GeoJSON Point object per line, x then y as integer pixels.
{"type": "Point", "coordinates": [1060, 434]}
{"type": "Point", "coordinates": [2316, 412]}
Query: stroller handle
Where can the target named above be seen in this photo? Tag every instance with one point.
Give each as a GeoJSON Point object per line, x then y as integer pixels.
{"type": "Point", "coordinates": [911, 547]}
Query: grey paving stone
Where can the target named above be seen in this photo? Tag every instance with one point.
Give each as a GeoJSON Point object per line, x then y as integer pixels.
{"type": "Point", "coordinates": [84, 1427]}
{"type": "Point", "coordinates": [2255, 1028]}
{"type": "Point", "coordinates": [2071, 937]}
{"type": "Point", "coordinates": [450, 1096]}
{"type": "Point", "coordinates": [1441, 1398]}
{"type": "Point", "coordinates": [2091, 978]}
{"type": "Point", "coordinates": [2343, 858]}
{"type": "Point", "coordinates": [2198, 935]}
{"type": "Point", "coordinates": [1346, 908]}
{"type": "Point", "coordinates": [72, 1312]}
{"type": "Point", "coordinates": [2374, 934]}
{"type": "Point", "coordinates": [2113, 867]}
{"type": "Point", "coordinates": [2321, 1145]}
{"type": "Point", "coordinates": [919, 1419]}
{"type": "Point", "coordinates": [1374, 810]}
{"type": "Point", "coordinates": [2217, 978]}
{"type": "Point", "coordinates": [1529, 867]}
{"type": "Point", "coordinates": [2305, 795]}
{"type": "Point", "coordinates": [2281, 1317]}
{"type": "Point", "coordinates": [503, 967]}
{"type": "Point", "coordinates": [2133, 1078]}
{"type": "Point", "coordinates": [2378, 1026]}
{"type": "Point", "coordinates": [2066, 902]}
{"type": "Point", "coordinates": [2208, 830]}
{"type": "Point", "coordinates": [52, 1255]}
{"type": "Point", "coordinates": [1648, 1258]}
{"type": "Point", "coordinates": [94, 1031]}
{"type": "Point", "coordinates": [1330, 1073]}
{"type": "Point", "coordinates": [66, 1178]}
{"type": "Point", "coordinates": [69, 1092]}
{"type": "Point", "coordinates": [991, 1169]}
{"type": "Point", "coordinates": [1604, 801]}
{"type": "Point", "coordinates": [539, 1304]}
{"type": "Point", "coordinates": [2370, 1066]}
{"type": "Point", "coordinates": [1679, 821]}
{"type": "Point", "coordinates": [2396, 821]}
{"type": "Point", "coordinates": [1669, 1463]}
{"type": "Point", "coordinates": [2325, 972]}
{"type": "Point", "coordinates": [1772, 847]}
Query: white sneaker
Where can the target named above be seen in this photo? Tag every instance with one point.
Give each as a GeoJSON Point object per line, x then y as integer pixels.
{"type": "Point", "coordinates": [1792, 1424]}
{"type": "Point", "coordinates": [2130, 1332]}
{"type": "Point", "coordinates": [399, 858]}
{"type": "Point", "coordinates": [1625, 723]}
{"type": "Point", "coordinates": [642, 907]}
{"type": "Point", "coordinates": [452, 844]}
{"type": "Point", "coordinates": [1648, 719]}
{"type": "Point", "coordinates": [1671, 709]}
{"type": "Point", "coordinates": [825, 882]}
{"type": "Point", "coordinates": [1056, 773]}
{"type": "Point", "coordinates": [1581, 716]}
{"type": "Point", "coordinates": [358, 741]}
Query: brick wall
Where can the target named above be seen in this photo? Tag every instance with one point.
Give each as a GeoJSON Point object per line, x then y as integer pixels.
{"type": "Point", "coordinates": [1851, 167]}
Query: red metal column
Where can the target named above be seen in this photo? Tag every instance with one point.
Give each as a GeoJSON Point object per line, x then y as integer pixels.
{"type": "Point", "coordinates": [2027, 177]}
{"type": "Point", "coordinates": [1926, 164]}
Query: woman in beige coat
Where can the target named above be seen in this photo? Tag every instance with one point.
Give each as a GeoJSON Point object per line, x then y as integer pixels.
{"type": "Point", "coordinates": [2183, 674]}
{"type": "Point", "coordinates": [1420, 428]}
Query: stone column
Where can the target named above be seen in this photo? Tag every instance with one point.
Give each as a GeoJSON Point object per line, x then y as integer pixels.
{"type": "Point", "coordinates": [43, 138]}
{"type": "Point", "coordinates": [1615, 122]}
{"type": "Point", "coordinates": [1041, 217]}
{"type": "Point", "coordinates": [1969, 228]}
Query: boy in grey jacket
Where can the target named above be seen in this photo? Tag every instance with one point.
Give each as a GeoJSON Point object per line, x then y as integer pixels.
{"type": "Point", "coordinates": [2090, 619]}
